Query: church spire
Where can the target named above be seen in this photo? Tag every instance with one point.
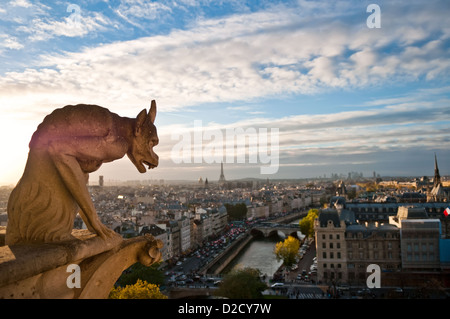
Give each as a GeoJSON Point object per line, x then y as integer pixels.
{"type": "Point", "coordinates": [437, 177]}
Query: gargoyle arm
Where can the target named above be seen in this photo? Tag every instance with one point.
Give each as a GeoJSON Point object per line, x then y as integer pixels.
{"type": "Point", "coordinates": [66, 155]}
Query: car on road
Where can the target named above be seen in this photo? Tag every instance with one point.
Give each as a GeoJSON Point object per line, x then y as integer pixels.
{"type": "Point", "coordinates": [277, 285]}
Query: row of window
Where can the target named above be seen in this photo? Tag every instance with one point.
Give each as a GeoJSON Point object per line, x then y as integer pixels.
{"type": "Point", "coordinates": [423, 247]}
{"type": "Point", "coordinates": [331, 255]}
{"type": "Point", "coordinates": [361, 235]}
{"type": "Point", "coordinates": [376, 255]}
{"type": "Point", "coordinates": [421, 257]}
{"type": "Point", "coordinates": [330, 236]}
{"type": "Point", "coordinates": [331, 245]}
{"type": "Point", "coordinates": [359, 244]}
{"type": "Point", "coordinates": [391, 210]}
{"type": "Point", "coordinates": [377, 234]}
{"type": "Point", "coordinates": [361, 255]}
{"type": "Point", "coordinates": [372, 244]}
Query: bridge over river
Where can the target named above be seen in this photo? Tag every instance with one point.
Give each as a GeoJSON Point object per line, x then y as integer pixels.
{"type": "Point", "coordinates": [281, 230]}
{"type": "Point", "coordinates": [265, 229]}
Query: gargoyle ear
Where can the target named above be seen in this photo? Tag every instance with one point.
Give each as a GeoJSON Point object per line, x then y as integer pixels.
{"type": "Point", "coordinates": [152, 112]}
{"type": "Point", "coordinates": [140, 119]}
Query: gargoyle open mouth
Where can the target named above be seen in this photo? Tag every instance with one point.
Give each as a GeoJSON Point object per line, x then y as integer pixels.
{"type": "Point", "coordinates": [150, 165]}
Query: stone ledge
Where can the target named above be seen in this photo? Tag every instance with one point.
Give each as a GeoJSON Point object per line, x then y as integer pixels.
{"type": "Point", "coordinates": [40, 270]}
{"type": "Point", "coordinates": [23, 261]}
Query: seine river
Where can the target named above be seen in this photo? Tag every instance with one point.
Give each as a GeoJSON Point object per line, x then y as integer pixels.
{"type": "Point", "coordinates": [258, 254]}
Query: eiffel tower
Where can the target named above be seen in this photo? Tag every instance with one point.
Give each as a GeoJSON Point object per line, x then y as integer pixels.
{"type": "Point", "coordinates": [222, 177]}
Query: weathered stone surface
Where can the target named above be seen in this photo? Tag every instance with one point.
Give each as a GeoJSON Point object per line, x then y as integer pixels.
{"type": "Point", "coordinates": [40, 270]}
{"type": "Point", "coordinates": [69, 144]}
{"type": "Point", "coordinates": [39, 249]}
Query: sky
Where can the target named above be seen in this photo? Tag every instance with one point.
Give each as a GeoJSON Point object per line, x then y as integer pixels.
{"type": "Point", "coordinates": [313, 87]}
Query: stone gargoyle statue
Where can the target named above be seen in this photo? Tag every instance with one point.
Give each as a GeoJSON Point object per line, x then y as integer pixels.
{"type": "Point", "coordinates": [70, 143]}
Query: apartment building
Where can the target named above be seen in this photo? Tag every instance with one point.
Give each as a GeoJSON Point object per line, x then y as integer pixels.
{"type": "Point", "coordinates": [330, 247]}
{"type": "Point", "coordinates": [410, 244]}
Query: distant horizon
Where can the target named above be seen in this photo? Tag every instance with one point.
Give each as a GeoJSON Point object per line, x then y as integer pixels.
{"type": "Point", "coordinates": [94, 177]}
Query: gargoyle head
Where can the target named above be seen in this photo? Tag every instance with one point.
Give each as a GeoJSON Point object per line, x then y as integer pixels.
{"type": "Point", "coordinates": [145, 138]}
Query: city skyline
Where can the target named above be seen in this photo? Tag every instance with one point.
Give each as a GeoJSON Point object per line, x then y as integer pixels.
{"type": "Point", "coordinates": [343, 96]}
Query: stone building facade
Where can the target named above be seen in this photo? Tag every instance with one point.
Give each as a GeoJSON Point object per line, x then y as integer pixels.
{"type": "Point", "coordinates": [371, 244]}
{"type": "Point", "coordinates": [410, 243]}
{"type": "Point", "coordinates": [331, 249]}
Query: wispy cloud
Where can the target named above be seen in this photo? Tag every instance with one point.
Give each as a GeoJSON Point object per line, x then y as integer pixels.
{"type": "Point", "coordinates": [285, 49]}
{"type": "Point", "coordinates": [9, 43]}
{"type": "Point", "coordinates": [241, 57]}
{"type": "Point", "coordinates": [76, 24]}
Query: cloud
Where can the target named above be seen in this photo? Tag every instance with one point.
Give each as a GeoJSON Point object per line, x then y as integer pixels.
{"type": "Point", "coordinates": [76, 24]}
{"type": "Point", "coordinates": [8, 42]}
{"type": "Point", "coordinates": [283, 50]}
{"type": "Point", "coordinates": [20, 3]}
{"type": "Point", "coordinates": [239, 57]}
{"type": "Point", "coordinates": [136, 12]}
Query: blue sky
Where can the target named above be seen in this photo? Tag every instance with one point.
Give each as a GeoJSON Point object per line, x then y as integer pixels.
{"type": "Point", "coordinates": [344, 97]}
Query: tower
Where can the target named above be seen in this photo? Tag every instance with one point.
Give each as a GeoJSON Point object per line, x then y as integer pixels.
{"type": "Point", "coordinates": [222, 177]}
{"type": "Point", "coordinates": [437, 177]}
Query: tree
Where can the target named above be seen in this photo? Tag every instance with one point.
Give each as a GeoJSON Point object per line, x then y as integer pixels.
{"type": "Point", "coordinates": [241, 283]}
{"type": "Point", "coordinates": [237, 211]}
{"type": "Point", "coordinates": [138, 271]}
{"type": "Point", "coordinates": [140, 290]}
{"type": "Point", "coordinates": [307, 223]}
{"type": "Point", "coordinates": [287, 250]}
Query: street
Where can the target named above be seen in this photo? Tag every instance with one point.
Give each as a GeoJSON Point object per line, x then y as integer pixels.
{"type": "Point", "coordinates": [300, 282]}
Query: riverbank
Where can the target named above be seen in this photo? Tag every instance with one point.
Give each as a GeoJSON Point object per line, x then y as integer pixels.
{"type": "Point", "coordinates": [224, 258]}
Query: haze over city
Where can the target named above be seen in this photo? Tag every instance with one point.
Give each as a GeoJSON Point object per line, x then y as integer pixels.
{"type": "Point", "coordinates": [343, 96]}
